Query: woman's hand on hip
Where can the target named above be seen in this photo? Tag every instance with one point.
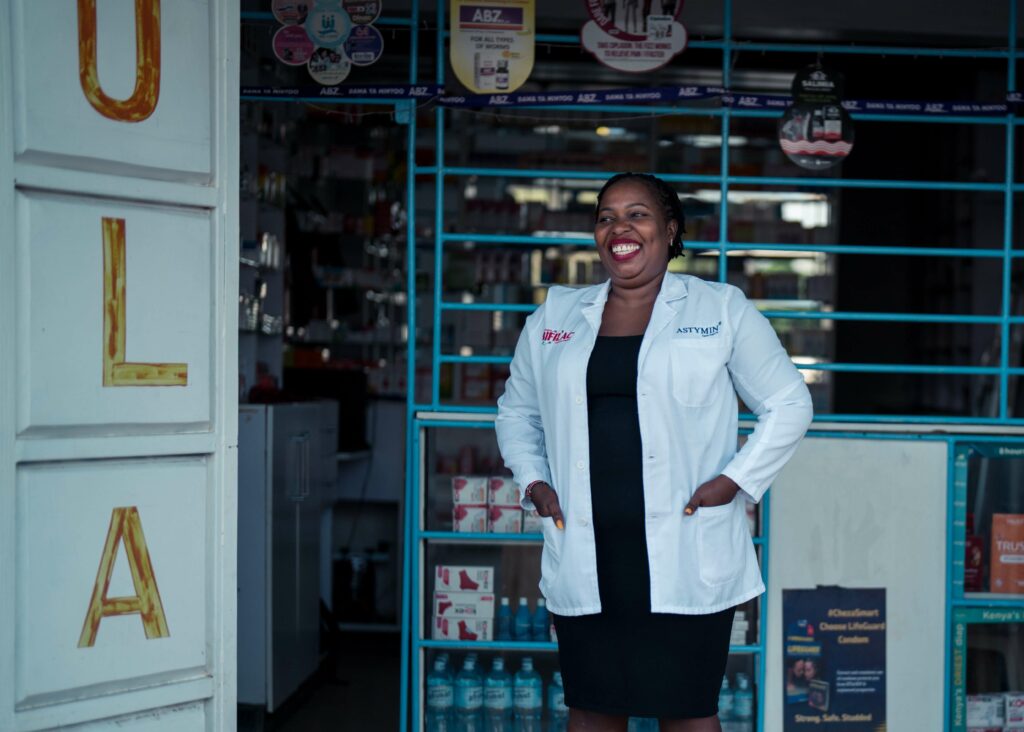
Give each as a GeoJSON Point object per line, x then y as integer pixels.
{"type": "Point", "coordinates": [546, 501]}
{"type": "Point", "coordinates": [716, 492]}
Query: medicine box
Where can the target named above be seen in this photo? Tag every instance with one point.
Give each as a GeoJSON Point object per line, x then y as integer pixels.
{"type": "Point", "coordinates": [469, 490]}
{"type": "Point", "coordinates": [455, 578]}
{"type": "Point", "coordinates": [463, 629]}
{"type": "Point", "coordinates": [505, 520]}
{"type": "Point", "coordinates": [469, 519]}
{"type": "Point", "coordinates": [464, 604]}
{"type": "Point", "coordinates": [532, 522]}
{"type": "Point", "coordinates": [502, 492]}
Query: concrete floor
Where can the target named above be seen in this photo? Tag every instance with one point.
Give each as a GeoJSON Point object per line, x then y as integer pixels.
{"type": "Point", "coordinates": [357, 693]}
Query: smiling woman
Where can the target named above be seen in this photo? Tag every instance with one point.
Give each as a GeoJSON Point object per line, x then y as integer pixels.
{"type": "Point", "coordinates": [624, 436]}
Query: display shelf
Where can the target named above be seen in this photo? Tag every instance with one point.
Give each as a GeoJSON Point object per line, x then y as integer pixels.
{"type": "Point", "coordinates": [466, 537]}
{"type": "Point", "coordinates": [523, 646]}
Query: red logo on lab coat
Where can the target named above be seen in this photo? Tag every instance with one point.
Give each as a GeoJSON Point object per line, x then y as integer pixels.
{"type": "Point", "coordinates": [556, 336]}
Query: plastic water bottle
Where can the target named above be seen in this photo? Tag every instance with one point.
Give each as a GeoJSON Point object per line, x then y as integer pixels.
{"type": "Point", "coordinates": [743, 706]}
{"type": "Point", "coordinates": [726, 701]}
{"type": "Point", "coordinates": [540, 622]}
{"type": "Point", "coordinates": [528, 692]}
{"type": "Point", "coordinates": [523, 626]}
{"type": "Point", "coordinates": [557, 710]}
{"type": "Point", "coordinates": [469, 698]}
{"type": "Point", "coordinates": [503, 621]}
{"type": "Point", "coordinates": [498, 698]}
{"type": "Point", "coordinates": [440, 698]}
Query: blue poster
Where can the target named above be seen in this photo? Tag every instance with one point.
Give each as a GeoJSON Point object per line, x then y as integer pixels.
{"type": "Point", "coordinates": [834, 659]}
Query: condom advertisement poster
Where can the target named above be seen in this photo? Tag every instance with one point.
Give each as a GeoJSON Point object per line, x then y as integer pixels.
{"type": "Point", "coordinates": [834, 659]}
{"type": "Point", "coordinates": [633, 35]}
{"type": "Point", "coordinates": [492, 44]}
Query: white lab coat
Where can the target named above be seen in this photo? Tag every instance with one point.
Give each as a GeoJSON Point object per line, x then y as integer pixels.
{"type": "Point", "coordinates": [704, 343]}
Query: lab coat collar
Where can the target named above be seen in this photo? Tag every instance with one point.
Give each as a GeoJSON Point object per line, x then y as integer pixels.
{"type": "Point", "coordinates": [673, 288]}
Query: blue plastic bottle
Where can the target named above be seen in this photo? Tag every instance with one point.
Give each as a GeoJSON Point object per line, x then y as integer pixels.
{"type": "Point", "coordinates": [540, 622]}
{"type": "Point", "coordinates": [440, 698]}
{"type": "Point", "coordinates": [743, 706]}
{"type": "Point", "coordinates": [523, 627]}
{"type": "Point", "coordinates": [528, 695]}
{"type": "Point", "coordinates": [469, 698]}
{"type": "Point", "coordinates": [558, 712]}
{"type": "Point", "coordinates": [498, 698]}
{"type": "Point", "coordinates": [503, 621]}
{"type": "Point", "coordinates": [726, 701]}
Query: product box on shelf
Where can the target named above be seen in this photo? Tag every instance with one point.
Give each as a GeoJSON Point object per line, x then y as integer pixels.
{"type": "Point", "coordinates": [531, 522]}
{"type": "Point", "coordinates": [469, 519]}
{"type": "Point", "coordinates": [1014, 709]}
{"type": "Point", "coordinates": [453, 578]}
{"type": "Point", "coordinates": [1007, 562]}
{"type": "Point", "coordinates": [463, 629]}
{"type": "Point", "coordinates": [502, 492]}
{"type": "Point", "coordinates": [463, 605]}
{"type": "Point", "coordinates": [469, 490]}
{"type": "Point", "coordinates": [985, 711]}
{"type": "Point", "coordinates": [505, 520]}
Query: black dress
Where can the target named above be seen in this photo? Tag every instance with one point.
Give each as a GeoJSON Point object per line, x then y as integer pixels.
{"type": "Point", "coordinates": [627, 660]}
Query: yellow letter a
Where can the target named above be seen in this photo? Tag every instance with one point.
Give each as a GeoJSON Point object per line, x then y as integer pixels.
{"type": "Point", "coordinates": [126, 526]}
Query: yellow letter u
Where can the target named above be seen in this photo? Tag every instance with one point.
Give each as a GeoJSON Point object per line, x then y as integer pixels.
{"type": "Point", "coordinates": [142, 102]}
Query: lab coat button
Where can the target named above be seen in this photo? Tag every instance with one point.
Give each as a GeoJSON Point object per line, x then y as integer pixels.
{"type": "Point", "coordinates": [584, 522]}
{"type": "Point", "coordinates": [579, 464]}
{"type": "Point", "coordinates": [579, 400]}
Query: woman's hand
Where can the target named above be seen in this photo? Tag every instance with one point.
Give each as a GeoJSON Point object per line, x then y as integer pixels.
{"type": "Point", "coordinates": [546, 501]}
{"type": "Point", "coordinates": [716, 492]}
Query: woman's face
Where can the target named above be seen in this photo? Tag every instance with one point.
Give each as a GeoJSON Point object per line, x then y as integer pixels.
{"type": "Point", "coordinates": [632, 235]}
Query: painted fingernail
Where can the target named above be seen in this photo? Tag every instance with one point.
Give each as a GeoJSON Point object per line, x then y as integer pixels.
{"type": "Point", "coordinates": [559, 524]}
{"type": "Point", "coordinates": [688, 511]}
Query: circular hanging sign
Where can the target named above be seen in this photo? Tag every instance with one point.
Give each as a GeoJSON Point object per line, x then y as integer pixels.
{"type": "Point", "coordinates": [364, 45]}
{"type": "Point", "coordinates": [816, 132]}
{"type": "Point", "coordinates": [816, 137]}
{"type": "Point", "coordinates": [362, 11]}
{"type": "Point", "coordinates": [292, 46]}
{"type": "Point", "coordinates": [290, 12]}
{"type": "Point", "coordinates": [329, 66]}
{"type": "Point", "coordinates": [328, 25]}
{"type": "Point", "coordinates": [634, 36]}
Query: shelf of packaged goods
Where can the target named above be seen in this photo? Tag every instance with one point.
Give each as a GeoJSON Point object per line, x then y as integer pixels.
{"type": "Point", "coordinates": [454, 537]}
{"type": "Point", "coordinates": [529, 646]}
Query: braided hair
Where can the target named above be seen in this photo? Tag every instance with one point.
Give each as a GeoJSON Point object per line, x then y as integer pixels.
{"type": "Point", "coordinates": [664, 195]}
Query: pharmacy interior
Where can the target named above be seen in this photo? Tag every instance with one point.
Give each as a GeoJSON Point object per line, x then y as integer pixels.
{"type": "Point", "coordinates": [402, 215]}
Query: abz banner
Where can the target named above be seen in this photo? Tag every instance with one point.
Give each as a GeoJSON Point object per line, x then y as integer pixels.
{"type": "Point", "coordinates": [492, 44]}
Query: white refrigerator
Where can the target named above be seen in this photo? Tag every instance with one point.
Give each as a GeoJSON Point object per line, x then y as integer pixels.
{"type": "Point", "coordinates": [286, 460]}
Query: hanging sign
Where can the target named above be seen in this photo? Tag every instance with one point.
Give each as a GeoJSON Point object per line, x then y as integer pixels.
{"type": "Point", "coordinates": [834, 659]}
{"type": "Point", "coordinates": [290, 12]}
{"type": "Point", "coordinates": [634, 36]}
{"type": "Point", "coordinates": [362, 11]}
{"type": "Point", "coordinates": [816, 132]}
{"type": "Point", "coordinates": [329, 66]}
{"type": "Point", "coordinates": [492, 44]}
{"type": "Point", "coordinates": [364, 45]}
{"type": "Point", "coordinates": [292, 46]}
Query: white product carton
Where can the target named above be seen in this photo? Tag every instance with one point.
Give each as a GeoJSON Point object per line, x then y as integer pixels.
{"type": "Point", "coordinates": [1014, 709]}
{"type": "Point", "coordinates": [463, 629]}
{"type": "Point", "coordinates": [469, 519]}
{"type": "Point", "coordinates": [502, 492]}
{"type": "Point", "coordinates": [505, 520]}
{"type": "Point", "coordinates": [469, 490]}
{"type": "Point", "coordinates": [986, 710]}
{"type": "Point", "coordinates": [532, 522]}
{"type": "Point", "coordinates": [463, 605]}
{"type": "Point", "coordinates": [453, 578]}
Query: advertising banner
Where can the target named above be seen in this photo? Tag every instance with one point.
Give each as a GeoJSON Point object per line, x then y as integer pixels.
{"type": "Point", "coordinates": [834, 659]}
{"type": "Point", "coordinates": [492, 44]}
{"type": "Point", "coordinates": [634, 36]}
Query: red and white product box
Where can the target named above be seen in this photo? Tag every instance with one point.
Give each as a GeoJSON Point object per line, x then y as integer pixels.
{"type": "Point", "coordinates": [450, 578]}
{"type": "Point", "coordinates": [503, 492]}
{"type": "Point", "coordinates": [463, 605]}
{"type": "Point", "coordinates": [1014, 709]}
{"type": "Point", "coordinates": [463, 629]}
{"type": "Point", "coordinates": [469, 519]}
{"type": "Point", "coordinates": [532, 522]}
{"type": "Point", "coordinates": [985, 710]}
{"type": "Point", "coordinates": [505, 520]}
{"type": "Point", "coordinates": [469, 490]}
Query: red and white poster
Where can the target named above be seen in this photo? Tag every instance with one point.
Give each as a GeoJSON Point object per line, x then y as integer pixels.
{"type": "Point", "coordinates": [634, 35]}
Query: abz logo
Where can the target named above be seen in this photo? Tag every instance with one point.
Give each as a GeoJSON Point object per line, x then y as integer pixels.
{"type": "Point", "coordinates": [704, 331]}
{"type": "Point", "coordinates": [555, 336]}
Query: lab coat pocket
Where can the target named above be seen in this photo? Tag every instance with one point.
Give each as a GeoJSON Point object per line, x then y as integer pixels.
{"type": "Point", "coordinates": [720, 543]}
{"type": "Point", "coordinates": [551, 557]}
{"type": "Point", "coordinates": [696, 367]}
